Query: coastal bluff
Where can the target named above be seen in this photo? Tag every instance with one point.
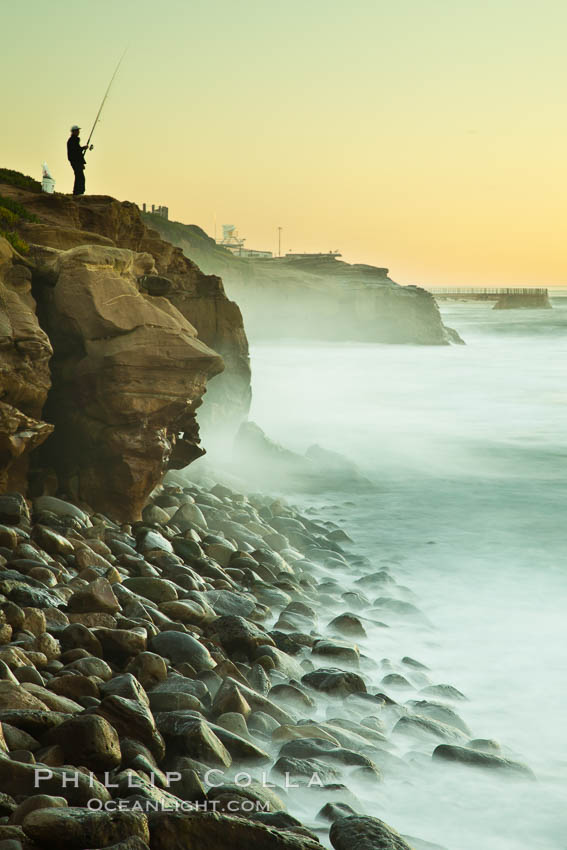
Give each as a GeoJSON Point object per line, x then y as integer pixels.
{"type": "Point", "coordinates": [108, 337]}
{"type": "Point", "coordinates": [314, 297]}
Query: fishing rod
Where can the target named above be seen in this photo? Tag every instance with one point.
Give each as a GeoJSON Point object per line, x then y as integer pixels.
{"type": "Point", "coordinates": [104, 101]}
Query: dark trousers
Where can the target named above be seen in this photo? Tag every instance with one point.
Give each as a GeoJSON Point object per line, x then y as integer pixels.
{"type": "Point", "coordinates": [79, 187]}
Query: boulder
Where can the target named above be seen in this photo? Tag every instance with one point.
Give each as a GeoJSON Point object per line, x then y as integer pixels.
{"type": "Point", "coordinates": [239, 635]}
{"type": "Point", "coordinates": [78, 829]}
{"type": "Point", "coordinates": [192, 736]}
{"type": "Point", "coordinates": [335, 682]}
{"type": "Point", "coordinates": [173, 831]}
{"type": "Point", "coordinates": [365, 833]}
{"type": "Point", "coordinates": [97, 596]}
{"type": "Point", "coordinates": [180, 647]}
{"type": "Point", "coordinates": [88, 740]}
{"type": "Point", "coordinates": [479, 759]}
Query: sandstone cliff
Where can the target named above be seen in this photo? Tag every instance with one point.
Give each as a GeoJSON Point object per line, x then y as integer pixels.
{"type": "Point", "coordinates": [24, 370]}
{"type": "Point", "coordinates": [135, 329]}
{"type": "Point", "coordinates": [321, 298]}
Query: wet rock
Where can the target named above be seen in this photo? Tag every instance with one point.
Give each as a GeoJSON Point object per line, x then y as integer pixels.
{"type": "Point", "coordinates": [74, 686]}
{"type": "Point", "coordinates": [308, 771]}
{"type": "Point", "coordinates": [32, 804]}
{"type": "Point", "coordinates": [395, 680]}
{"type": "Point", "coordinates": [173, 831]}
{"type": "Point", "coordinates": [486, 745]}
{"type": "Point", "coordinates": [226, 603]}
{"type": "Point", "coordinates": [280, 819]}
{"type": "Point", "coordinates": [319, 748]}
{"type": "Point", "coordinates": [239, 635]}
{"type": "Point", "coordinates": [439, 711]}
{"type": "Point", "coordinates": [176, 683]}
{"type": "Point", "coordinates": [88, 740]}
{"type": "Point", "coordinates": [476, 758]}
{"type": "Point", "coordinates": [54, 702]}
{"type": "Point", "coordinates": [365, 833]}
{"type": "Point", "coordinates": [13, 509]}
{"type": "Point", "coordinates": [334, 649]}
{"type": "Point", "coordinates": [28, 592]}
{"type": "Point", "coordinates": [33, 721]}
{"type": "Point", "coordinates": [187, 516]}
{"type": "Point", "coordinates": [443, 691]}
{"type": "Point", "coordinates": [134, 720]}
{"type": "Point", "coordinates": [188, 611]}
{"type": "Point", "coordinates": [179, 647]}
{"type": "Point", "coordinates": [97, 596]}
{"type": "Point", "coordinates": [335, 682]}
{"type": "Point", "coordinates": [235, 723]}
{"type": "Point", "coordinates": [291, 668]}
{"type": "Point", "coordinates": [241, 749]}
{"type": "Point", "coordinates": [122, 644]}
{"type": "Point", "coordinates": [50, 541]}
{"type": "Point", "coordinates": [149, 668]}
{"type": "Point", "coordinates": [192, 736]}
{"type": "Point", "coordinates": [261, 723]}
{"type": "Point", "coordinates": [174, 702]}
{"type": "Point", "coordinates": [333, 811]}
{"type": "Point", "coordinates": [427, 728]}
{"type": "Point", "coordinates": [16, 697]}
{"type": "Point", "coordinates": [77, 829]}
{"type": "Point", "coordinates": [8, 537]}
{"type": "Point", "coordinates": [349, 625]}
{"type": "Point", "coordinates": [91, 667]}
{"type": "Point", "coordinates": [229, 698]}
{"type": "Point", "coordinates": [155, 589]}
{"type": "Point", "coordinates": [29, 779]}
{"type": "Point", "coordinates": [291, 695]}
{"type": "Point", "coordinates": [307, 730]}
{"type": "Point", "coordinates": [415, 665]}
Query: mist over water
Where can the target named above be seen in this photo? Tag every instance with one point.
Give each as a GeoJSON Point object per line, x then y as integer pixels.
{"type": "Point", "coordinates": [467, 447]}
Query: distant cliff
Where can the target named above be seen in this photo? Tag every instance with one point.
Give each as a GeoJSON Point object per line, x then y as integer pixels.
{"type": "Point", "coordinates": [321, 298]}
{"type": "Point", "coordinates": [108, 336]}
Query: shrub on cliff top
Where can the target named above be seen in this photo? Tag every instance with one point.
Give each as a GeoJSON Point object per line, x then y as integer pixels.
{"type": "Point", "coordinates": [7, 218]}
{"type": "Point", "coordinates": [15, 178]}
{"type": "Point", "coordinates": [16, 209]}
{"type": "Point", "coordinates": [17, 243]}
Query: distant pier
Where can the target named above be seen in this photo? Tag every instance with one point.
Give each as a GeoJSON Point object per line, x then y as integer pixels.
{"type": "Point", "coordinates": [511, 298]}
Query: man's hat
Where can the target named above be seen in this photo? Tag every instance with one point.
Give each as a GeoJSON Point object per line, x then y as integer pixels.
{"type": "Point", "coordinates": [75, 127]}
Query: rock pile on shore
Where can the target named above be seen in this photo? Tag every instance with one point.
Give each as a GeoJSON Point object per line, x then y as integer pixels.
{"type": "Point", "coordinates": [198, 678]}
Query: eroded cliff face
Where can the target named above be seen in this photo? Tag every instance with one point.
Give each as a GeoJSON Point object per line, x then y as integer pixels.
{"type": "Point", "coordinates": [66, 222]}
{"type": "Point", "coordinates": [24, 371]}
{"type": "Point", "coordinates": [128, 374]}
{"type": "Point", "coordinates": [129, 324]}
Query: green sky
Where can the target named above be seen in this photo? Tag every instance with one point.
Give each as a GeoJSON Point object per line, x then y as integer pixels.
{"type": "Point", "coordinates": [426, 136]}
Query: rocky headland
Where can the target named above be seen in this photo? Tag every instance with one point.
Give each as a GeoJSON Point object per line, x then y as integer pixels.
{"type": "Point", "coordinates": [109, 339]}
{"type": "Point", "coordinates": [315, 298]}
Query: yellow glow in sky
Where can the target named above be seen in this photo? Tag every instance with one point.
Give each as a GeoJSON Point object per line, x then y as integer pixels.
{"type": "Point", "coordinates": [428, 136]}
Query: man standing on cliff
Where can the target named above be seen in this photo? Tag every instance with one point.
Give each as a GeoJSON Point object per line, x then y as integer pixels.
{"type": "Point", "coordinates": [76, 156]}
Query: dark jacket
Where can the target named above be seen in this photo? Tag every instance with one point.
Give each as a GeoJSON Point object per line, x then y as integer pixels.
{"type": "Point", "coordinates": [75, 153]}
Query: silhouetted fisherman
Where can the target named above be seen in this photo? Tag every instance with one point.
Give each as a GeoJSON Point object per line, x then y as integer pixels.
{"type": "Point", "coordinates": [76, 156]}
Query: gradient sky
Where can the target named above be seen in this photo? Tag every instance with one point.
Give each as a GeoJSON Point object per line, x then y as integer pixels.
{"type": "Point", "coordinates": [428, 136]}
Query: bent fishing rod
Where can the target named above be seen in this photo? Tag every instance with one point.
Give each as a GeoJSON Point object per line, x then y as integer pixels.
{"type": "Point", "coordinates": [88, 145]}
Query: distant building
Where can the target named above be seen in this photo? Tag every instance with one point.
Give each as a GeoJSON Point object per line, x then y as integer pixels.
{"type": "Point", "coordinates": [235, 244]}
{"type": "Point", "coordinates": [321, 256]}
{"type": "Point", "coordinates": [161, 211]}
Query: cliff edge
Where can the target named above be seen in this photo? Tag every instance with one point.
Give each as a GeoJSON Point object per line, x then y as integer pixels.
{"type": "Point", "coordinates": [108, 337]}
